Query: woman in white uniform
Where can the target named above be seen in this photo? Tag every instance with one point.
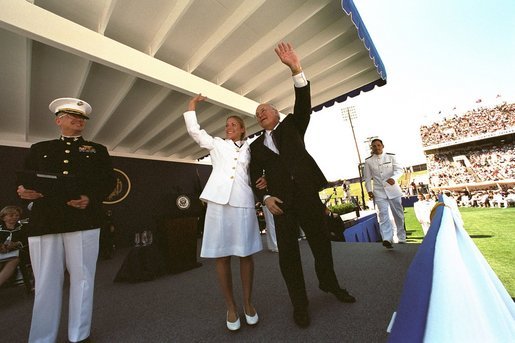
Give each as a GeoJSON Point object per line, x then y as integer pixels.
{"type": "Point", "coordinates": [231, 227]}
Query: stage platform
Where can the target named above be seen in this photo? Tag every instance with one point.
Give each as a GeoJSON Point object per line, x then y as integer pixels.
{"type": "Point", "coordinates": [187, 307]}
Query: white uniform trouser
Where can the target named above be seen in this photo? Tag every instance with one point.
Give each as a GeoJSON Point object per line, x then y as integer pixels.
{"type": "Point", "coordinates": [50, 255]}
{"type": "Point", "coordinates": [271, 239]}
{"type": "Point", "coordinates": [384, 218]}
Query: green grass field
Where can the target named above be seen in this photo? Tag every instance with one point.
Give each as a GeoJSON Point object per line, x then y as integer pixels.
{"type": "Point", "coordinates": [493, 232]}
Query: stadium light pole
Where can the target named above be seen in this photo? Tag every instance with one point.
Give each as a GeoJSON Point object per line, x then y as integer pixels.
{"type": "Point", "coordinates": [348, 114]}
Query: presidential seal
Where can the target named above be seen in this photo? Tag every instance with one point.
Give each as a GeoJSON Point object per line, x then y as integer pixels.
{"type": "Point", "coordinates": [121, 190]}
{"type": "Point", "coordinates": [183, 202]}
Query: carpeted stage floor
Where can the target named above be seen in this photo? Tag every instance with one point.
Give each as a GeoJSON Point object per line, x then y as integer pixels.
{"type": "Point", "coordinates": [187, 307]}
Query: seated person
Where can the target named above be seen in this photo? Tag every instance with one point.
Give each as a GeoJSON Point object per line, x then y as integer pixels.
{"type": "Point", "coordinates": [476, 198]}
{"type": "Point", "coordinates": [510, 198]}
{"type": "Point", "coordinates": [498, 200]}
{"type": "Point", "coordinates": [484, 200]}
{"type": "Point", "coordinates": [423, 208]}
{"type": "Point", "coordinates": [465, 200]}
{"type": "Point", "coordinates": [12, 238]}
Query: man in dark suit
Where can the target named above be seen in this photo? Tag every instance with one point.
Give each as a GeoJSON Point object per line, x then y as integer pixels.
{"type": "Point", "coordinates": [294, 180]}
{"type": "Point", "coordinates": [64, 223]}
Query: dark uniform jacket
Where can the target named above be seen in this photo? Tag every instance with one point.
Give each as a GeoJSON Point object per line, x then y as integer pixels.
{"type": "Point", "coordinates": [294, 166]}
{"type": "Point", "coordinates": [89, 163]}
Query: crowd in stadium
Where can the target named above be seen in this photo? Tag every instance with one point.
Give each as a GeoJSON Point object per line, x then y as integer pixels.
{"type": "Point", "coordinates": [495, 163]}
{"type": "Point", "coordinates": [490, 196]}
{"type": "Point", "coordinates": [483, 198]}
{"type": "Point", "coordinates": [486, 164]}
{"type": "Point", "coordinates": [472, 123]}
{"type": "Point", "coordinates": [443, 171]}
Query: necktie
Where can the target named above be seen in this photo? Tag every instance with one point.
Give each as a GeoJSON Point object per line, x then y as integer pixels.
{"type": "Point", "coordinates": [270, 142]}
{"type": "Point", "coordinates": [273, 133]}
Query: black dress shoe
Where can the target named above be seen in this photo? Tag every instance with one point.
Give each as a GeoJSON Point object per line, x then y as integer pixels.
{"type": "Point", "coordinates": [340, 293]}
{"type": "Point", "coordinates": [387, 245]}
{"type": "Point", "coordinates": [301, 317]}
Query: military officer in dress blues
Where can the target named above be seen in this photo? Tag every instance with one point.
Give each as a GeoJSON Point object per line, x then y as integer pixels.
{"type": "Point", "coordinates": [63, 231]}
{"type": "Point", "coordinates": [383, 169]}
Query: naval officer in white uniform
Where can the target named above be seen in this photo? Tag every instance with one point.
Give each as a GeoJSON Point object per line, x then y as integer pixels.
{"type": "Point", "coordinates": [382, 170]}
{"type": "Point", "coordinates": [231, 227]}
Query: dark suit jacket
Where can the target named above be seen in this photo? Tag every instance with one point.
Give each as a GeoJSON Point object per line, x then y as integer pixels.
{"type": "Point", "coordinates": [91, 165]}
{"type": "Point", "coordinates": [293, 167]}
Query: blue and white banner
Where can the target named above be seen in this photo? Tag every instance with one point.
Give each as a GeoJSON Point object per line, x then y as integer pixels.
{"type": "Point", "coordinates": [451, 294]}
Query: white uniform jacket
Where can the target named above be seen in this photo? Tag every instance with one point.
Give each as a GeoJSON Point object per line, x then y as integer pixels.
{"type": "Point", "coordinates": [229, 182]}
{"type": "Point", "coordinates": [422, 210]}
{"type": "Point", "coordinates": [379, 168]}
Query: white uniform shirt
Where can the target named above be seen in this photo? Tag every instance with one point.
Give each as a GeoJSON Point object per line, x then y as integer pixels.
{"type": "Point", "coordinates": [379, 168]}
{"type": "Point", "coordinates": [229, 182]}
{"type": "Point", "coordinates": [423, 209]}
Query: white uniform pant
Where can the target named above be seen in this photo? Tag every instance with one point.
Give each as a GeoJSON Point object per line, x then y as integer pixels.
{"type": "Point", "coordinates": [271, 238]}
{"type": "Point", "coordinates": [385, 225]}
{"type": "Point", "coordinates": [50, 255]}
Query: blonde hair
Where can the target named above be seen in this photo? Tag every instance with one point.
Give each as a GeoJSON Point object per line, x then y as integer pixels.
{"type": "Point", "coordinates": [241, 122]}
{"type": "Point", "coordinates": [10, 209]}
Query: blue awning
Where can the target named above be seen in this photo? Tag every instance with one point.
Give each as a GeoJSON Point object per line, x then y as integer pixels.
{"type": "Point", "coordinates": [350, 9]}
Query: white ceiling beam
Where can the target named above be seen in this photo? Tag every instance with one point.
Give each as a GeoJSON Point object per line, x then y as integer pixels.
{"type": "Point", "coordinates": [193, 147]}
{"type": "Point", "coordinates": [345, 85]}
{"type": "Point", "coordinates": [14, 140]}
{"type": "Point", "coordinates": [336, 58]}
{"type": "Point", "coordinates": [332, 32]}
{"type": "Point", "coordinates": [198, 155]}
{"type": "Point", "coordinates": [145, 156]}
{"type": "Point", "coordinates": [141, 116]}
{"type": "Point", "coordinates": [269, 40]}
{"type": "Point", "coordinates": [230, 25]}
{"type": "Point", "coordinates": [173, 119]}
{"type": "Point", "coordinates": [27, 94]}
{"type": "Point", "coordinates": [187, 147]}
{"type": "Point", "coordinates": [177, 12]}
{"type": "Point", "coordinates": [83, 78]}
{"type": "Point", "coordinates": [215, 128]}
{"type": "Point", "coordinates": [190, 150]}
{"type": "Point", "coordinates": [120, 96]}
{"type": "Point", "coordinates": [106, 15]}
{"type": "Point", "coordinates": [181, 138]}
{"type": "Point", "coordinates": [253, 128]}
{"type": "Point", "coordinates": [181, 141]}
{"type": "Point", "coordinates": [36, 23]}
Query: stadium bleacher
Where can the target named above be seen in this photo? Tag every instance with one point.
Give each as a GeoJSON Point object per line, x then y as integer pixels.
{"type": "Point", "coordinates": [472, 152]}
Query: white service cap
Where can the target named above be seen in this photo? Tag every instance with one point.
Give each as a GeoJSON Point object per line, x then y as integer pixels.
{"type": "Point", "coordinates": [70, 105]}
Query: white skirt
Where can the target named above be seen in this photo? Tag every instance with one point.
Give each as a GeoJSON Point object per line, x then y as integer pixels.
{"type": "Point", "coordinates": [230, 231]}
